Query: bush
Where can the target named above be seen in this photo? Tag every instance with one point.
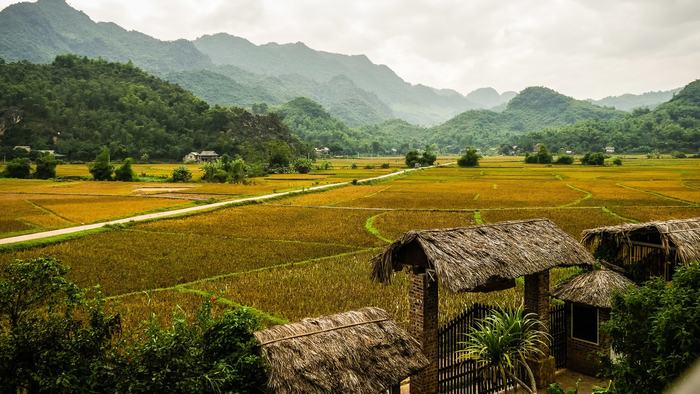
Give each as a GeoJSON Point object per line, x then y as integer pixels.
{"type": "Point", "coordinates": [426, 159]}
{"type": "Point", "coordinates": [565, 159]}
{"type": "Point", "coordinates": [617, 161]}
{"type": "Point", "coordinates": [541, 157]}
{"type": "Point", "coordinates": [593, 159]}
{"type": "Point", "coordinates": [225, 169]}
{"type": "Point", "coordinates": [181, 174]}
{"type": "Point", "coordinates": [429, 157]}
{"type": "Point", "coordinates": [385, 165]}
{"type": "Point", "coordinates": [655, 332]}
{"type": "Point", "coordinates": [353, 166]}
{"type": "Point", "coordinates": [101, 169]}
{"type": "Point", "coordinates": [469, 159]}
{"type": "Point", "coordinates": [45, 167]}
{"type": "Point", "coordinates": [369, 167]}
{"type": "Point", "coordinates": [44, 347]}
{"type": "Point", "coordinates": [17, 168]}
{"type": "Point", "coordinates": [412, 157]}
{"type": "Point", "coordinates": [125, 173]}
{"type": "Point", "coordinates": [679, 155]}
{"type": "Point", "coordinates": [302, 165]}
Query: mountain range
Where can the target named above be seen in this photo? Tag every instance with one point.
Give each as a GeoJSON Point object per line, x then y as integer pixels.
{"type": "Point", "coordinates": [229, 70]}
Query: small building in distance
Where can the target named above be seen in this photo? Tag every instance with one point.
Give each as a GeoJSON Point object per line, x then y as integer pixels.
{"type": "Point", "coordinates": [208, 155]}
{"type": "Point", "coordinates": [322, 152]}
{"type": "Point", "coordinates": [200, 157]}
{"type": "Point", "coordinates": [609, 149]}
{"type": "Point", "coordinates": [25, 148]}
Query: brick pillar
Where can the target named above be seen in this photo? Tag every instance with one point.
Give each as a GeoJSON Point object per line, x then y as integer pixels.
{"type": "Point", "coordinates": [537, 301]}
{"type": "Point", "coordinates": [423, 319]}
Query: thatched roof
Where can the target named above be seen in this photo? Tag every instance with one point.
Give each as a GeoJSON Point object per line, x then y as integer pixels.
{"type": "Point", "coordinates": [361, 351]}
{"type": "Point", "coordinates": [484, 257]}
{"type": "Point", "coordinates": [593, 288]}
{"type": "Point", "coordinates": [683, 236]}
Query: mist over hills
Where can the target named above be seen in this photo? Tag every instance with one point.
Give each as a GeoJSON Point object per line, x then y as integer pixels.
{"type": "Point", "coordinates": [628, 102]}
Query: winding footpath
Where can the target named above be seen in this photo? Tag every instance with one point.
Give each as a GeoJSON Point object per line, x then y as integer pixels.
{"type": "Point", "coordinates": [194, 209]}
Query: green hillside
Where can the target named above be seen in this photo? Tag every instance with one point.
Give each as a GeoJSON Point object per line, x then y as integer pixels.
{"type": "Point", "coordinates": [76, 105]}
{"type": "Point", "coordinates": [40, 31]}
{"type": "Point", "coordinates": [674, 125]}
{"type": "Point", "coordinates": [629, 102]}
{"type": "Point", "coordinates": [533, 109]}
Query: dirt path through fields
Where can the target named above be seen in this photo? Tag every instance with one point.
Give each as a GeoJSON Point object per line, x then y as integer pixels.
{"type": "Point", "coordinates": [194, 209]}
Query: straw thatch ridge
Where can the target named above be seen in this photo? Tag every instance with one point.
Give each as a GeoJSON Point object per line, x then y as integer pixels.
{"type": "Point", "coordinates": [594, 288]}
{"type": "Point", "coordinates": [361, 351]}
{"type": "Point", "coordinates": [484, 257]}
{"type": "Point", "coordinates": [683, 235]}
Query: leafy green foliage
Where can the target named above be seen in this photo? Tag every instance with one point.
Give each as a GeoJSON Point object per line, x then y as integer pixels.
{"type": "Point", "coordinates": [44, 346]}
{"type": "Point", "coordinates": [302, 165]}
{"type": "Point", "coordinates": [617, 161]}
{"type": "Point", "coordinates": [225, 169]}
{"type": "Point", "coordinates": [57, 339]}
{"type": "Point", "coordinates": [17, 168]}
{"type": "Point", "coordinates": [655, 333]}
{"type": "Point", "coordinates": [207, 356]}
{"type": "Point", "coordinates": [412, 158]}
{"type": "Point", "coordinates": [565, 159]}
{"type": "Point", "coordinates": [541, 157]}
{"type": "Point", "coordinates": [506, 339]}
{"type": "Point", "coordinates": [45, 166]}
{"type": "Point", "coordinates": [594, 159]}
{"type": "Point", "coordinates": [470, 158]}
{"type": "Point", "coordinates": [76, 105]}
{"type": "Point", "coordinates": [102, 169]}
{"type": "Point", "coordinates": [181, 174]}
{"type": "Point", "coordinates": [125, 173]}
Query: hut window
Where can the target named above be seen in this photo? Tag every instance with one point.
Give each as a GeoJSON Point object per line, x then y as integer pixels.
{"type": "Point", "coordinates": [584, 323]}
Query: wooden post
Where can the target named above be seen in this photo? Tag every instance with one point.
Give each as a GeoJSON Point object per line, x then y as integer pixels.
{"type": "Point", "coordinates": [537, 302]}
{"type": "Point", "coordinates": [423, 317]}
{"type": "Point", "coordinates": [396, 389]}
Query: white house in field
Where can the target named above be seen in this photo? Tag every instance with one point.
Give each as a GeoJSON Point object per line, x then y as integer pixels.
{"type": "Point", "coordinates": [192, 157]}
{"type": "Point", "coordinates": [609, 149]}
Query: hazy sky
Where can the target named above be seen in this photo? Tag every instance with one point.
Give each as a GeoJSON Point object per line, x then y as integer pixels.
{"type": "Point", "coordinates": [584, 48]}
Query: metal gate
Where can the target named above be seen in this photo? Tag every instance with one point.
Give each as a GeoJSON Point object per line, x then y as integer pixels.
{"type": "Point", "coordinates": [466, 377]}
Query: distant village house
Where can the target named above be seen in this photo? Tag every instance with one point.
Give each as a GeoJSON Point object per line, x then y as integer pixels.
{"type": "Point", "coordinates": [200, 157]}
{"type": "Point", "coordinates": [325, 151]}
{"type": "Point", "coordinates": [609, 149]}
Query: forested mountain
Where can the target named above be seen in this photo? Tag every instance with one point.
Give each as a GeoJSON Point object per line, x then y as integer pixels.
{"type": "Point", "coordinates": [674, 125]}
{"type": "Point", "coordinates": [489, 98]}
{"type": "Point", "coordinates": [629, 102]}
{"type": "Point", "coordinates": [534, 108]}
{"type": "Point", "coordinates": [40, 31]}
{"type": "Point", "coordinates": [414, 103]}
{"type": "Point", "coordinates": [76, 105]}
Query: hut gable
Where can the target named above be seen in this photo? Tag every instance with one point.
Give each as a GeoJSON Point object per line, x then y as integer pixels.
{"type": "Point", "coordinates": [361, 351]}
{"type": "Point", "coordinates": [681, 236]}
{"type": "Point", "coordinates": [594, 288]}
{"type": "Point", "coordinates": [484, 257]}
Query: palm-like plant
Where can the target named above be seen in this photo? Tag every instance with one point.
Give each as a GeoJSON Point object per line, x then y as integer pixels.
{"type": "Point", "coordinates": [505, 341]}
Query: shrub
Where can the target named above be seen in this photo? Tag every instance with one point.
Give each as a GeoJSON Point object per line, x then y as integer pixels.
{"type": "Point", "coordinates": [44, 347]}
{"type": "Point", "coordinates": [412, 157]}
{"type": "Point", "coordinates": [542, 156]}
{"type": "Point", "coordinates": [45, 167]}
{"type": "Point", "coordinates": [369, 167]}
{"type": "Point", "coordinates": [679, 155]}
{"type": "Point", "coordinates": [385, 165]}
{"type": "Point", "coordinates": [125, 173]}
{"type": "Point", "coordinates": [17, 168]}
{"type": "Point", "coordinates": [353, 166]}
{"type": "Point", "coordinates": [302, 165]}
{"type": "Point", "coordinates": [565, 159]}
{"type": "Point", "coordinates": [426, 159]}
{"type": "Point", "coordinates": [654, 332]}
{"type": "Point", "coordinates": [206, 356]}
{"type": "Point", "coordinates": [429, 157]}
{"type": "Point", "coordinates": [593, 159]}
{"type": "Point", "coordinates": [101, 169]}
{"type": "Point", "coordinates": [225, 169]}
{"type": "Point", "coordinates": [469, 159]}
{"type": "Point", "coordinates": [181, 174]}
{"type": "Point", "coordinates": [617, 161]}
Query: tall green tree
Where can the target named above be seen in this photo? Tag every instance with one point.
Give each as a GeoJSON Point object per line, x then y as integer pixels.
{"type": "Point", "coordinates": [102, 168]}
{"type": "Point", "coordinates": [45, 166]}
{"type": "Point", "coordinates": [470, 158]}
{"type": "Point", "coordinates": [655, 332]}
{"type": "Point", "coordinates": [125, 173]}
{"type": "Point", "coordinates": [17, 168]}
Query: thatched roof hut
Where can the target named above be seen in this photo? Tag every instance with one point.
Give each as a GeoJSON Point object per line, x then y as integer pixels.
{"type": "Point", "coordinates": [678, 239]}
{"type": "Point", "coordinates": [361, 351]}
{"type": "Point", "coordinates": [594, 288]}
{"type": "Point", "coordinates": [485, 257]}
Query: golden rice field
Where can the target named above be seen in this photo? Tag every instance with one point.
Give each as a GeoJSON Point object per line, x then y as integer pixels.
{"type": "Point", "coordinates": [309, 254]}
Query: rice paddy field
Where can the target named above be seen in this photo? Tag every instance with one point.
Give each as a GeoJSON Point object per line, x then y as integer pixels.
{"type": "Point", "coordinates": [309, 254]}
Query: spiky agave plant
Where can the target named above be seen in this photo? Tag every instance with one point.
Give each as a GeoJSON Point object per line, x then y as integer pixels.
{"type": "Point", "coordinates": [505, 340]}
